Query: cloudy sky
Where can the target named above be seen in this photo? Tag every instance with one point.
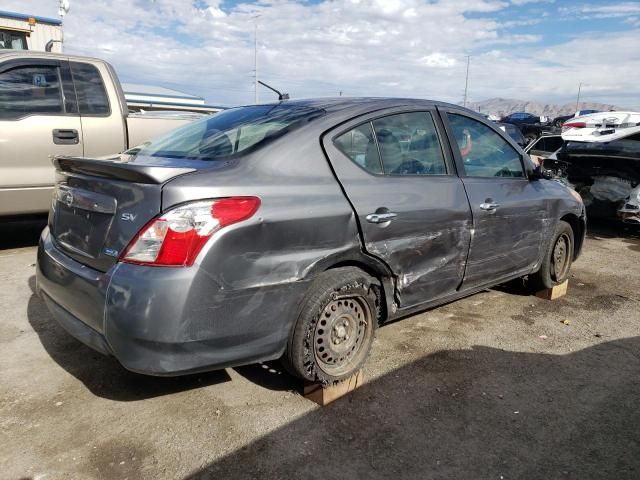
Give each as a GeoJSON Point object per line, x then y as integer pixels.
{"type": "Point", "coordinates": [525, 49]}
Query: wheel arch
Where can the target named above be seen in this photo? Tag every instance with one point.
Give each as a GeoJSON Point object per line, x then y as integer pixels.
{"type": "Point", "coordinates": [372, 267]}
{"type": "Point", "coordinates": [578, 226]}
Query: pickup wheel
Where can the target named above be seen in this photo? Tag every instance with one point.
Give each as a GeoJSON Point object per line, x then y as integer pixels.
{"type": "Point", "coordinates": [335, 327]}
{"type": "Point", "coordinates": [557, 259]}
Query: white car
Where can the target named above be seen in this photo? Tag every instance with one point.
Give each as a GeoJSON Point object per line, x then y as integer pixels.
{"type": "Point", "coordinates": [602, 127]}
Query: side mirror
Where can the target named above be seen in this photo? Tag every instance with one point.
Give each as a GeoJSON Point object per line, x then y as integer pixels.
{"type": "Point", "coordinates": [541, 173]}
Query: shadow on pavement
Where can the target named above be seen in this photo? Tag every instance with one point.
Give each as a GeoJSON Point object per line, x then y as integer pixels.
{"type": "Point", "coordinates": [102, 375]}
{"type": "Point", "coordinates": [270, 375]}
{"type": "Point", "coordinates": [21, 232]}
{"type": "Point", "coordinates": [480, 413]}
{"type": "Point", "coordinates": [598, 228]}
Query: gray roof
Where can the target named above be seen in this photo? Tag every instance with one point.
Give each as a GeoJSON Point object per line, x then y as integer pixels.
{"type": "Point", "coordinates": [155, 91]}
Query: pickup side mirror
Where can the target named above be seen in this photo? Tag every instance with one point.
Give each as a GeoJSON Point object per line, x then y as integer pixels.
{"type": "Point", "coordinates": [540, 172]}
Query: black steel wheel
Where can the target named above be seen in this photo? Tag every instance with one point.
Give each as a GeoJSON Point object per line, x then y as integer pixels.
{"type": "Point", "coordinates": [557, 259]}
{"type": "Point", "coordinates": [560, 261]}
{"type": "Point", "coordinates": [336, 326]}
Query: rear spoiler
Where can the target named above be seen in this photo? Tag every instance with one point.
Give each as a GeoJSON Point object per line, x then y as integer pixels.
{"type": "Point", "coordinates": [119, 170]}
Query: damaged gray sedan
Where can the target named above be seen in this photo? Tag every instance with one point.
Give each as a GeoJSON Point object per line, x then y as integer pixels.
{"type": "Point", "coordinates": [293, 230]}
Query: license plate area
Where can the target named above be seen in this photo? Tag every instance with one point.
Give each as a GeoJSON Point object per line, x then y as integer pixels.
{"type": "Point", "coordinates": [82, 220]}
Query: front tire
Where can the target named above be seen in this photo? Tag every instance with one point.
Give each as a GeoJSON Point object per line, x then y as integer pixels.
{"type": "Point", "coordinates": [336, 326]}
{"type": "Point", "coordinates": [557, 260]}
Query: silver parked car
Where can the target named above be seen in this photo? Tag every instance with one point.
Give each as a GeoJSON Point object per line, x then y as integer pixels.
{"type": "Point", "coordinates": [292, 230]}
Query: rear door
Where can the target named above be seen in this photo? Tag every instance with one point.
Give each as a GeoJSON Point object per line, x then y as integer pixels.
{"type": "Point", "coordinates": [509, 210]}
{"type": "Point", "coordinates": [38, 119]}
{"type": "Point", "coordinates": [411, 206]}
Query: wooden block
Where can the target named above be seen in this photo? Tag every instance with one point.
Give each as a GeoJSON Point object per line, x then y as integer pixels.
{"type": "Point", "coordinates": [325, 395]}
{"type": "Point", "coordinates": [555, 292]}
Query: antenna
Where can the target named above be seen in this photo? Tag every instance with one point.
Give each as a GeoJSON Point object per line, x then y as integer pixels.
{"type": "Point", "coordinates": [281, 96]}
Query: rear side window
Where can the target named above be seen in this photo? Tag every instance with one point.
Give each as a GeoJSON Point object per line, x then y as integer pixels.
{"type": "Point", "coordinates": [30, 90]}
{"type": "Point", "coordinates": [484, 152]}
{"type": "Point", "coordinates": [358, 144]}
{"type": "Point", "coordinates": [90, 91]}
{"type": "Point", "coordinates": [229, 133]}
{"type": "Point", "coordinates": [404, 144]}
{"type": "Point", "coordinates": [409, 144]}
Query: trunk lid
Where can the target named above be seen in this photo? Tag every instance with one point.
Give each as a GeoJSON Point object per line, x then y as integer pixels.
{"type": "Point", "coordinates": [99, 206]}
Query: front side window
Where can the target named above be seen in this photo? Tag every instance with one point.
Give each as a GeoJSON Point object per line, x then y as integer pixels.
{"type": "Point", "coordinates": [229, 132]}
{"type": "Point", "coordinates": [90, 91]}
{"type": "Point", "coordinates": [404, 144]}
{"type": "Point", "coordinates": [484, 152]}
{"type": "Point", "coordinates": [30, 90]}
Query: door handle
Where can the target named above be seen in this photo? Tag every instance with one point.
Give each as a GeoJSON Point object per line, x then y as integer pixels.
{"type": "Point", "coordinates": [489, 207]}
{"type": "Point", "coordinates": [380, 217]}
{"type": "Point", "coordinates": [62, 136]}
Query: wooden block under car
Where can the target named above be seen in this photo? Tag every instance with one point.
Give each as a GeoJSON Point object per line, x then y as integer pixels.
{"type": "Point", "coordinates": [325, 395]}
{"type": "Point", "coordinates": [555, 292]}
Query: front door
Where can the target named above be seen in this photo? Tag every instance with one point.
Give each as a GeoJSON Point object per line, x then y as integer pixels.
{"type": "Point", "coordinates": [38, 119]}
{"type": "Point", "coordinates": [412, 208]}
{"type": "Point", "coordinates": [509, 220]}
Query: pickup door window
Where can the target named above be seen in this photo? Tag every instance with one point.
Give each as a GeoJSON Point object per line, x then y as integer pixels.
{"type": "Point", "coordinates": [30, 90]}
{"type": "Point", "coordinates": [90, 91]}
{"type": "Point", "coordinates": [414, 215]}
{"type": "Point", "coordinates": [103, 125]}
{"type": "Point", "coordinates": [508, 210]}
{"type": "Point", "coordinates": [37, 121]}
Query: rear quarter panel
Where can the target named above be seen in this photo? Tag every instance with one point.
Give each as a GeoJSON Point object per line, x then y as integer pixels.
{"type": "Point", "coordinates": [304, 219]}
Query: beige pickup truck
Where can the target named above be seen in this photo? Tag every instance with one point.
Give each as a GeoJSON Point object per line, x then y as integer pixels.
{"type": "Point", "coordinates": [55, 104]}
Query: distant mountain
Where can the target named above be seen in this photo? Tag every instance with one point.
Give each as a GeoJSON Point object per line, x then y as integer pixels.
{"type": "Point", "coordinates": [505, 106]}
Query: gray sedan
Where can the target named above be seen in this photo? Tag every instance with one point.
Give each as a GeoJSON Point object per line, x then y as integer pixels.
{"type": "Point", "coordinates": [292, 230]}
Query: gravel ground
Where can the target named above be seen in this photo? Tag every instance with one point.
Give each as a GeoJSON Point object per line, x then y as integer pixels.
{"type": "Point", "coordinates": [494, 386]}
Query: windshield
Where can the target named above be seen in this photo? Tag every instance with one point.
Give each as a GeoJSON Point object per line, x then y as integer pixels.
{"type": "Point", "coordinates": [228, 133]}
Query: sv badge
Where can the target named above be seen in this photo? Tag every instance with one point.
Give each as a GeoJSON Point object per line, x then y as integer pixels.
{"type": "Point", "coordinates": [128, 217]}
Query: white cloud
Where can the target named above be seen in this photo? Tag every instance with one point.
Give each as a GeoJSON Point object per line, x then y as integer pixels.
{"type": "Point", "coordinates": [438, 60]}
{"type": "Point", "coordinates": [610, 10]}
{"type": "Point", "coordinates": [359, 47]}
{"type": "Point", "coordinates": [523, 2]}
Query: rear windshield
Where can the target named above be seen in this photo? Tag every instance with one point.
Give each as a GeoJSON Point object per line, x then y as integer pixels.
{"type": "Point", "coordinates": [228, 133]}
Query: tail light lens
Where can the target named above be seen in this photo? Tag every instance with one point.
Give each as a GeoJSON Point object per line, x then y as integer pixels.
{"type": "Point", "coordinates": [568, 125]}
{"type": "Point", "coordinates": [176, 237]}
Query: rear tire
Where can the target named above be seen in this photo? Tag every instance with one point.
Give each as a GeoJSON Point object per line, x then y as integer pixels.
{"type": "Point", "coordinates": [335, 327]}
{"type": "Point", "coordinates": [557, 260]}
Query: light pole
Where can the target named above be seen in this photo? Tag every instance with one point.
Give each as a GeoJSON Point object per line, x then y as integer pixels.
{"type": "Point", "coordinates": [578, 100]}
{"type": "Point", "coordinates": [466, 82]}
{"type": "Point", "coordinates": [255, 58]}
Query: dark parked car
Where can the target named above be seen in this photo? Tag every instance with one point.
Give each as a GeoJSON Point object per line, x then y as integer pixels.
{"type": "Point", "coordinates": [292, 230]}
{"type": "Point", "coordinates": [514, 132]}
{"type": "Point", "coordinates": [558, 121]}
{"type": "Point", "coordinates": [529, 125]}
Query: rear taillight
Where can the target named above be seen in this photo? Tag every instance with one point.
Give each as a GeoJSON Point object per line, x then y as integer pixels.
{"type": "Point", "coordinates": [176, 237]}
{"type": "Point", "coordinates": [568, 125]}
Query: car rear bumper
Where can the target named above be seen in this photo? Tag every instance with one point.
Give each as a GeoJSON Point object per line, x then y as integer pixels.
{"type": "Point", "coordinates": [165, 321]}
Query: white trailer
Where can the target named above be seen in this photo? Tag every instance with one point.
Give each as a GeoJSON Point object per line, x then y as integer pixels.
{"type": "Point", "coordinates": [30, 32]}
